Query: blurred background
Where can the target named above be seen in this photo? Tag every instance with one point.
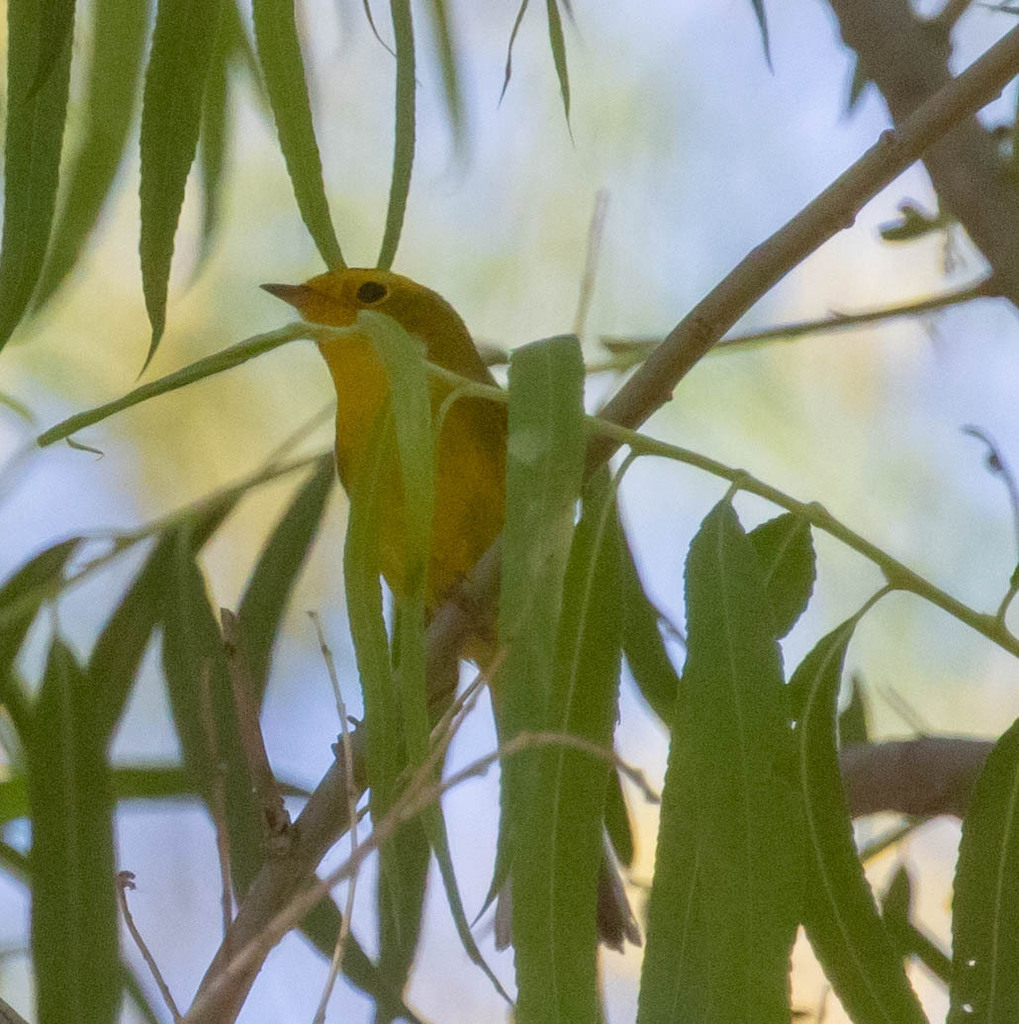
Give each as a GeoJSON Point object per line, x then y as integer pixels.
{"type": "Point", "coordinates": [703, 151]}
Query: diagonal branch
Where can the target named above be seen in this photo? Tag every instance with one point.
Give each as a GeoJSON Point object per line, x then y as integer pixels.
{"type": "Point", "coordinates": [324, 817]}
{"type": "Point", "coordinates": [907, 59]}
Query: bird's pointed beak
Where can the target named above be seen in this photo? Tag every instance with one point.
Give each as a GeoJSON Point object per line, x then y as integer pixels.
{"type": "Point", "coordinates": [295, 294]}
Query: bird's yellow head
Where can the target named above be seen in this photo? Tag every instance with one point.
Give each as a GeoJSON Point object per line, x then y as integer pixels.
{"type": "Point", "coordinates": [335, 298]}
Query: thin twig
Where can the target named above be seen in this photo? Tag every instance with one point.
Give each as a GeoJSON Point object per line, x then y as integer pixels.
{"type": "Point", "coordinates": [125, 881]}
{"type": "Point", "coordinates": [348, 764]}
{"type": "Point", "coordinates": [217, 794]}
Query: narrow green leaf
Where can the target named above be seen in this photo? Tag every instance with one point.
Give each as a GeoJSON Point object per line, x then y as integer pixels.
{"type": "Point", "coordinates": [724, 903]}
{"type": "Point", "coordinates": [403, 138]}
{"type": "Point", "coordinates": [839, 914]}
{"type": "Point", "coordinates": [852, 722]}
{"type": "Point", "coordinates": [762, 24]}
{"type": "Point", "coordinates": [36, 110]}
{"type": "Point", "coordinates": [617, 821]}
{"type": "Point", "coordinates": [75, 948]}
{"type": "Point", "coordinates": [321, 926]}
{"type": "Point", "coordinates": [403, 872]}
{"type": "Point", "coordinates": [21, 596]}
{"type": "Point", "coordinates": [136, 993]}
{"type": "Point", "coordinates": [214, 132]}
{"type": "Point", "coordinates": [279, 53]}
{"type": "Point", "coordinates": [119, 32]}
{"type": "Point", "coordinates": [786, 552]}
{"type": "Point", "coordinates": [908, 940]}
{"type": "Point", "coordinates": [558, 43]}
{"type": "Point", "coordinates": [544, 463]}
{"type": "Point", "coordinates": [557, 854]}
{"type": "Point", "coordinates": [183, 45]}
{"type": "Point", "coordinates": [985, 911]}
{"type": "Point", "coordinates": [449, 62]}
{"type": "Point", "coordinates": [272, 581]}
{"type": "Point", "coordinates": [521, 11]}
{"type": "Point", "coordinates": [642, 643]}
{"type": "Point", "coordinates": [192, 651]}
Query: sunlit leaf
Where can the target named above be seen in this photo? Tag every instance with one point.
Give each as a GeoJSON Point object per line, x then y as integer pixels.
{"type": "Point", "coordinates": [404, 133]}
{"type": "Point", "coordinates": [183, 46]}
{"type": "Point", "coordinates": [985, 911]}
{"type": "Point", "coordinates": [545, 452]}
{"type": "Point", "coordinates": [36, 110]}
{"type": "Point", "coordinates": [839, 914]}
{"type": "Point", "coordinates": [724, 902]}
{"type": "Point", "coordinates": [75, 948]}
{"type": "Point", "coordinates": [558, 850]}
{"type": "Point", "coordinates": [119, 29]}
{"type": "Point", "coordinates": [279, 53]}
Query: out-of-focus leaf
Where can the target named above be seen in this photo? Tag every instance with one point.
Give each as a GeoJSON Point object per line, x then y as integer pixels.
{"type": "Point", "coordinates": [908, 940]}
{"type": "Point", "coordinates": [857, 84]}
{"type": "Point", "coordinates": [852, 722]}
{"type": "Point", "coordinates": [449, 61]}
{"type": "Point", "coordinates": [75, 948]}
{"type": "Point", "coordinates": [118, 41]}
{"type": "Point", "coordinates": [786, 552]}
{"type": "Point", "coordinates": [545, 453]}
{"type": "Point", "coordinates": [521, 11]}
{"type": "Point", "coordinates": [762, 24]}
{"type": "Point", "coordinates": [272, 580]}
{"type": "Point", "coordinates": [617, 821]}
{"type": "Point", "coordinates": [279, 53]}
{"type": "Point", "coordinates": [135, 992]}
{"type": "Point", "coordinates": [21, 596]}
{"type": "Point", "coordinates": [183, 45]}
{"type": "Point", "coordinates": [985, 911]}
{"type": "Point", "coordinates": [36, 110]}
{"type": "Point", "coordinates": [192, 650]}
{"type": "Point", "coordinates": [642, 643]}
{"type": "Point", "coordinates": [913, 223]}
{"type": "Point", "coordinates": [839, 914]}
{"type": "Point", "coordinates": [321, 926]}
{"type": "Point", "coordinates": [214, 133]}
{"type": "Point", "coordinates": [557, 41]}
{"type": "Point", "coordinates": [404, 133]}
{"type": "Point", "coordinates": [558, 852]}
{"type": "Point", "coordinates": [724, 903]}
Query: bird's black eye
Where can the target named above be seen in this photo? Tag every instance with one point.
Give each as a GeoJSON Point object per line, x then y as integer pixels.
{"type": "Point", "coordinates": [372, 291]}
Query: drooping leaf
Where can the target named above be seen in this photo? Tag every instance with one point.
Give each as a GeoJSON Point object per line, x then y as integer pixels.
{"type": "Point", "coordinates": [557, 41]}
{"type": "Point", "coordinates": [404, 133]}
{"type": "Point", "coordinates": [544, 462]}
{"type": "Point", "coordinates": [75, 949]}
{"type": "Point", "coordinates": [724, 902]}
{"type": "Point", "coordinates": [119, 29]}
{"type": "Point", "coordinates": [183, 46]}
{"type": "Point", "coordinates": [762, 24]}
{"type": "Point", "coordinates": [21, 596]}
{"type": "Point", "coordinates": [839, 914]}
{"type": "Point", "coordinates": [642, 643]}
{"type": "Point", "coordinates": [852, 722]}
{"type": "Point", "coordinates": [449, 62]}
{"type": "Point", "coordinates": [279, 53]}
{"type": "Point", "coordinates": [36, 111]}
{"type": "Point", "coordinates": [557, 854]}
{"type": "Point", "coordinates": [786, 553]}
{"type": "Point", "coordinates": [985, 912]}
{"type": "Point", "coordinates": [617, 821]}
{"type": "Point", "coordinates": [272, 581]}
{"type": "Point", "coordinates": [521, 11]}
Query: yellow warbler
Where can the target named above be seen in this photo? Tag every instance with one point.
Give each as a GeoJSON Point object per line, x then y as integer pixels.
{"type": "Point", "coordinates": [470, 471]}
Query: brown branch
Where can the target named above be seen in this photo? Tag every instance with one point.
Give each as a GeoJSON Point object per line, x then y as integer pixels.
{"type": "Point", "coordinates": [324, 817]}
{"type": "Point", "coordinates": [907, 59]}
{"type": "Point", "coordinates": [923, 777]}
